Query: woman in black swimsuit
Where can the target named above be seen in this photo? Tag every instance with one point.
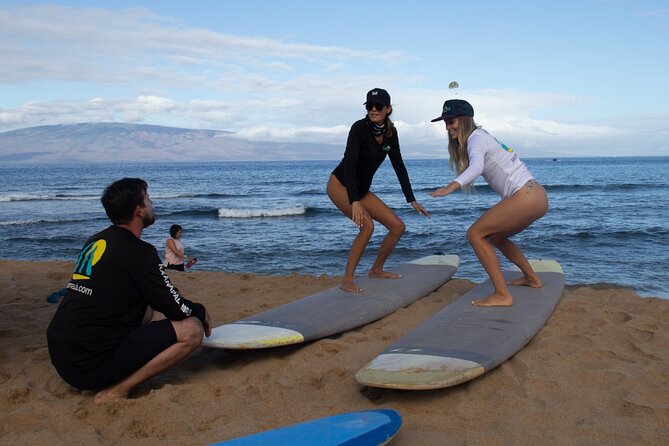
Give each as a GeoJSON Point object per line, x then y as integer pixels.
{"type": "Point", "coordinates": [370, 140]}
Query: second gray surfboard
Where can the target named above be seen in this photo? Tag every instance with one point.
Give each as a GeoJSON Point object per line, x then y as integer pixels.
{"type": "Point", "coordinates": [462, 342]}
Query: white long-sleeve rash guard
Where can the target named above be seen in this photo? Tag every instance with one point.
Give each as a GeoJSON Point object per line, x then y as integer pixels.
{"type": "Point", "coordinates": [502, 169]}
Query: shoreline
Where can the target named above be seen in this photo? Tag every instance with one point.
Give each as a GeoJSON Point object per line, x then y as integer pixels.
{"type": "Point", "coordinates": [201, 269]}
{"type": "Point", "coordinates": [595, 374]}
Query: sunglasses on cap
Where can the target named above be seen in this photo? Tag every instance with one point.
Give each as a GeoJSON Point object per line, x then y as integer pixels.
{"type": "Point", "coordinates": [376, 105]}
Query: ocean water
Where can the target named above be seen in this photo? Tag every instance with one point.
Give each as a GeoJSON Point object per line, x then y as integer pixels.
{"type": "Point", "coordinates": [608, 220]}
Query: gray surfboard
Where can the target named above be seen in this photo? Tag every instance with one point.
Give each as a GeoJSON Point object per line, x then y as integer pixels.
{"type": "Point", "coordinates": [462, 342]}
{"type": "Point", "coordinates": [334, 311]}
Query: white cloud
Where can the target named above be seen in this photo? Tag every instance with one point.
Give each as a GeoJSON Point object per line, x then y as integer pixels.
{"type": "Point", "coordinates": [292, 119]}
{"type": "Point", "coordinates": [324, 135]}
{"type": "Point", "coordinates": [135, 66]}
{"type": "Point", "coordinates": [82, 44]}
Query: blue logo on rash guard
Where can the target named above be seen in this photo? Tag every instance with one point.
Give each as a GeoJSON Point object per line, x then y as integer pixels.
{"type": "Point", "coordinates": [89, 256]}
{"type": "Point", "coordinates": [504, 146]}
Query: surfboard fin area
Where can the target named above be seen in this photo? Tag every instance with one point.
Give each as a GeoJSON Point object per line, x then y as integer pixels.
{"type": "Point", "coordinates": [462, 342]}
{"type": "Point", "coordinates": [334, 311]}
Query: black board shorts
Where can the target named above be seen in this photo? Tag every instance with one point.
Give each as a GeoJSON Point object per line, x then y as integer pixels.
{"type": "Point", "coordinates": [138, 348]}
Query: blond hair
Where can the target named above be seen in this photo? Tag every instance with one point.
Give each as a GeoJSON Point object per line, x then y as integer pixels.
{"type": "Point", "coordinates": [457, 147]}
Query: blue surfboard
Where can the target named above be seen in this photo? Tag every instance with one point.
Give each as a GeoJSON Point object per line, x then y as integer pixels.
{"type": "Point", "coordinates": [363, 428]}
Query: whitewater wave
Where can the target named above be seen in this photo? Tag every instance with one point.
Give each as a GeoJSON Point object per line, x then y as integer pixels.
{"type": "Point", "coordinates": [212, 195]}
{"type": "Point", "coordinates": [10, 197]}
{"type": "Point", "coordinates": [256, 213]}
{"type": "Point", "coordinates": [6, 198]}
{"type": "Point", "coordinates": [39, 221]}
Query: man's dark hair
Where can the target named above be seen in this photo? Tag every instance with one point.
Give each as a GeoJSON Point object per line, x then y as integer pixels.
{"type": "Point", "coordinates": [121, 198]}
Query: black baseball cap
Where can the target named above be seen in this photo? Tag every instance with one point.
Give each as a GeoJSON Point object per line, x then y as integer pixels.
{"type": "Point", "coordinates": [378, 96]}
{"type": "Point", "coordinates": [454, 108]}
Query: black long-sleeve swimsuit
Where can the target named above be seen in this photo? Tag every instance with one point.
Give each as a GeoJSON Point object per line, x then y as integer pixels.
{"type": "Point", "coordinates": [363, 157]}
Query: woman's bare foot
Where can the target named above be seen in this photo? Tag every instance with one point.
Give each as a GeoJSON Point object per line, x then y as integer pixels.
{"type": "Point", "coordinates": [524, 281]}
{"type": "Point", "coordinates": [494, 300]}
{"type": "Point", "coordinates": [349, 286]}
{"type": "Point", "coordinates": [382, 275]}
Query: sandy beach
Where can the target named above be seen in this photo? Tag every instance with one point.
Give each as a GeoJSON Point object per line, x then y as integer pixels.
{"type": "Point", "coordinates": [596, 374]}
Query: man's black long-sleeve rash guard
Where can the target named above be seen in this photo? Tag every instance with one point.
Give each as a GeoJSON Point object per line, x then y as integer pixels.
{"type": "Point", "coordinates": [116, 277]}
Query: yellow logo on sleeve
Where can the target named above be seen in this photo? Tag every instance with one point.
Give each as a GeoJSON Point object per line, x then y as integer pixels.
{"type": "Point", "coordinates": [89, 256]}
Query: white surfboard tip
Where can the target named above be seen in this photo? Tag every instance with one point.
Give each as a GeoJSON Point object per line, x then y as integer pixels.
{"type": "Point", "coordinates": [417, 371]}
{"type": "Point", "coordinates": [251, 336]}
{"type": "Point", "coordinates": [438, 259]}
{"type": "Point", "coordinates": [542, 266]}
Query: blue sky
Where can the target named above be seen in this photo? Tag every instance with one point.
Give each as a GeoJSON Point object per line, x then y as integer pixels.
{"type": "Point", "coordinates": [571, 78]}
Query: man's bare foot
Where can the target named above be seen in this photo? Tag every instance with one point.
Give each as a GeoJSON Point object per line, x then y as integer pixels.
{"type": "Point", "coordinates": [524, 281]}
{"type": "Point", "coordinates": [494, 300]}
{"type": "Point", "coordinates": [349, 286]}
{"type": "Point", "coordinates": [107, 396]}
{"type": "Point", "coordinates": [382, 275]}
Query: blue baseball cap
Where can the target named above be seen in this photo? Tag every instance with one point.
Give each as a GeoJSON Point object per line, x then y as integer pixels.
{"type": "Point", "coordinates": [453, 108]}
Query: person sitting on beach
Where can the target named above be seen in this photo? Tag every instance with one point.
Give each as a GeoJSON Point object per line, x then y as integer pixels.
{"type": "Point", "coordinates": [101, 337]}
{"type": "Point", "coordinates": [174, 251]}
{"type": "Point", "coordinates": [474, 152]}
{"type": "Point", "coordinates": [370, 140]}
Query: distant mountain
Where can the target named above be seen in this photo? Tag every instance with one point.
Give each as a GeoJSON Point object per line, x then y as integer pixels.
{"type": "Point", "coordinates": [138, 142]}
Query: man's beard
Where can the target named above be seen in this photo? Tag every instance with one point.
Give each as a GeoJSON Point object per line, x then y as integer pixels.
{"type": "Point", "coordinates": [148, 220]}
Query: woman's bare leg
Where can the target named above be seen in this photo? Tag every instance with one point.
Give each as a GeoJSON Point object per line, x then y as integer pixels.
{"type": "Point", "coordinates": [380, 212]}
{"type": "Point", "coordinates": [506, 218]}
{"type": "Point", "coordinates": [339, 196]}
{"type": "Point", "coordinates": [512, 252]}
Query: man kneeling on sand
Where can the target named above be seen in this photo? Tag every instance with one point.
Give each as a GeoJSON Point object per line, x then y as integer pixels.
{"type": "Point", "coordinates": [101, 336]}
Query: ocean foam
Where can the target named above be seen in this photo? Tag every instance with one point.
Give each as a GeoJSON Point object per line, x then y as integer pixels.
{"type": "Point", "coordinates": [256, 213]}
